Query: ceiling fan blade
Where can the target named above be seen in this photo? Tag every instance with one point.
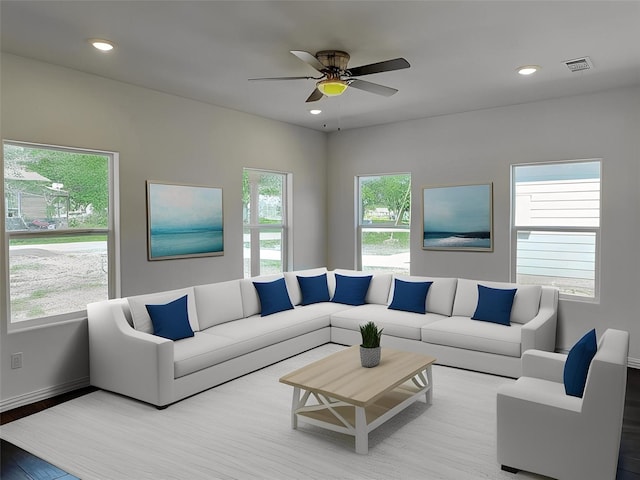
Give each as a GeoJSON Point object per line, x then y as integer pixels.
{"type": "Point", "coordinates": [315, 96]}
{"type": "Point", "coordinates": [309, 59]}
{"type": "Point", "coordinates": [386, 66]}
{"type": "Point", "coordinates": [280, 78]}
{"type": "Point", "coordinates": [372, 87]}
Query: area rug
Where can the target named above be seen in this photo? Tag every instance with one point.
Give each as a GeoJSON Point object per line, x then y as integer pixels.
{"type": "Point", "coordinates": [242, 430]}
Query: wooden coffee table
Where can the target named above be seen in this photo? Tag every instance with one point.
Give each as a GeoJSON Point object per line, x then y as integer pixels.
{"type": "Point", "coordinates": [341, 395]}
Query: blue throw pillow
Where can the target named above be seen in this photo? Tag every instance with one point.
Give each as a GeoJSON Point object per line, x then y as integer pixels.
{"type": "Point", "coordinates": [314, 289]}
{"type": "Point", "coordinates": [494, 305]}
{"type": "Point", "coordinates": [410, 296]}
{"type": "Point", "coordinates": [351, 290]}
{"type": "Point", "coordinates": [274, 297]}
{"type": "Point", "coordinates": [171, 320]}
{"type": "Point", "coordinates": [577, 365]}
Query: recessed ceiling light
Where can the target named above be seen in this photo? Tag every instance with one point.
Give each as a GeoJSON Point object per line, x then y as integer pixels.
{"type": "Point", "coordinates": [315, 112]}
{"type": "Point", "coordinates": [102, 45]}
{"type": "Point", "coordinates": [528, 69]}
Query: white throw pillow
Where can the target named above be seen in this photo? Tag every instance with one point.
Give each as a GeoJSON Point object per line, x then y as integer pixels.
{"type": "Point", "coordinates": [218, 303]}
{"type": "Point", "coordinates": [140, 316]}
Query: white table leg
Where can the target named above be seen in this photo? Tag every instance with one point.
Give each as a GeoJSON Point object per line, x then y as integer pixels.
{"type": "Point", "coordinates": [362, 436]}
{"type": "Point", "coordinates": [429, 395]}
{"type": "Point", "coordinates": [294, 407]}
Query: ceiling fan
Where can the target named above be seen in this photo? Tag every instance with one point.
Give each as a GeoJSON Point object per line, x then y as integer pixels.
{"type": "Point", "coordinates": [336, 76]}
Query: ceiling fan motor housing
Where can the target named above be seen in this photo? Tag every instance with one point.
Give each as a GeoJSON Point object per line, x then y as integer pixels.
{"type": "Point", "coordinates": [333, 59]}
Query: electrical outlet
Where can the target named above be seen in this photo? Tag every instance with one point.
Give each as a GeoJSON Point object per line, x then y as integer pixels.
{"type": "Point", "coordinates": [16, 360]}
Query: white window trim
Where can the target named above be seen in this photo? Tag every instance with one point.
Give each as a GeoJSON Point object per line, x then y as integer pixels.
{"type": "Point", "coordinates": [596, 230]}
{"type": "Point", "coordinates": [113, 243]}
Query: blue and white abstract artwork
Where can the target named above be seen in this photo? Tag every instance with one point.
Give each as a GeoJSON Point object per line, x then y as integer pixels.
{"type": "Point", "coordinates": [458, 218]}
{"type": "Point", "coordinates": [184, 221]}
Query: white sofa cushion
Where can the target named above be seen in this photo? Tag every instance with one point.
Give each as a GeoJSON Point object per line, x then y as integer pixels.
{"type": "Point", "coordinates": [141, 318]}
{"type": "Point", "coordinates": [218, 303]}
{"type": "Point", "coordinates": [378, 288]}
{"type": "Point", "coordinates": [250, 298]}
{"type": "Point", "coordinates": [440, 295]}
{"type": "Point", "coordinates": [295, 294]}
{"type": "Point", "coordinates": [257, 332]}
{"type": "Point", "coordinates": [526, 303]}
{"type": "Point", "coordinates": [462, 332]}
{"type": "Point", "coordinates": [229, 340]}
{"type": "Point", "coordinates": [201, 351]}
{"type": "Point", "coordinates": [396, 323]}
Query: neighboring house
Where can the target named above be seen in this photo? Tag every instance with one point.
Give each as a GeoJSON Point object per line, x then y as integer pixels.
{"type": "Point", "coordinates": [32, 201]}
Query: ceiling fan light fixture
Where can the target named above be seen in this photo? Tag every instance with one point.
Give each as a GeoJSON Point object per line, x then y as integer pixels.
{"type": "Point", "coordinates": [332, 87]}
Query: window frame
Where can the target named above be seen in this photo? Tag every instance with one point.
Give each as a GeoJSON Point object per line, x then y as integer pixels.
{"type": "Point", "coordinates": [597, 231]}
{"type": "Point", "coordinates": [256, 229]}
{"type": "Point", "coordinates": [361, 227]}
{"type": "Point", "coordinates": [112, 233]}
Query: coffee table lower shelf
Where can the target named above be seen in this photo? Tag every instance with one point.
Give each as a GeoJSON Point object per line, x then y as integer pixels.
{"type": "Point", "coordinates": [358, 421]}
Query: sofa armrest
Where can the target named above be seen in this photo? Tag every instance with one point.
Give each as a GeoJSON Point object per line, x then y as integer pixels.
{"type": "Point", "coordinates": [540, 332]}
{"type": "Point", "coordinates": [126, 361]}
{"type": "Point", "coordinates": [543, 365]}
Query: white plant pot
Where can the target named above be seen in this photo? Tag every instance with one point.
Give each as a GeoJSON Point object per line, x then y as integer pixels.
{"type": "Point", "coordinates": [369, 357]}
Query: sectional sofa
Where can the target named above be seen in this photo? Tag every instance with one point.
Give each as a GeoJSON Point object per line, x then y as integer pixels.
{"type": "Point", "coordinates": [233, 328]}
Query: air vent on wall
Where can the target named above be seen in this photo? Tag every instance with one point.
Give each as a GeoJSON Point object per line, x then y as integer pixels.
{"type": "Point", "coordinates": [579, 64]}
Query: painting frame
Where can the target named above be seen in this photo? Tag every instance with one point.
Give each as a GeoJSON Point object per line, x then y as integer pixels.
{"type": "Point", "coordinates": [458, 217]}
{"type": "Point", "coordinates": [184, 221]}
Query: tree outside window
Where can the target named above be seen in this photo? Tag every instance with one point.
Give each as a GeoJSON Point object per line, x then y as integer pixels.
{"type": "Point", "coordinates": [384, 222]}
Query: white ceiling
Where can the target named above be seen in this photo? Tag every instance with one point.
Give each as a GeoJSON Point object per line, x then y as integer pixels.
{"type": "Point", "coordinates": [463, 54]}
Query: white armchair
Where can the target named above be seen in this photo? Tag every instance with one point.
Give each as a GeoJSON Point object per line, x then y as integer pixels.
{"type": "Point", "coordinates": [543, 430]}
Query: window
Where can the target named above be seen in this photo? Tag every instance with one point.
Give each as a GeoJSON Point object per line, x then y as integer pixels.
{"type": "Point", "coordinates": [265, 216]}
{"type": "Point", "coordinates": [384, 222]}
{"type": "Point", "coordinates": [556, 226]}
{"type": "Point", "coordinates": [60, 224]}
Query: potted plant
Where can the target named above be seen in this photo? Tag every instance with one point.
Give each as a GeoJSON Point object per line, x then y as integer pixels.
{"type": "Point", "coordinates": [370, 347]}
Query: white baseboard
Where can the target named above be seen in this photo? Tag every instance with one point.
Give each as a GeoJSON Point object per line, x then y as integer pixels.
{"type": "Point", "coordinates": [634, 362]}
{"type": "Point", "coordinates": [32, 397]}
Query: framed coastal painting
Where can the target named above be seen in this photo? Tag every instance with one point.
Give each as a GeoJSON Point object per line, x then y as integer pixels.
{"type": "Point", "coordinates": [458, 217]}
{"type": "Point", "coordinates": [184, 221]}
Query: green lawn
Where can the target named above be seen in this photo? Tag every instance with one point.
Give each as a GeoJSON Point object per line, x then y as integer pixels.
{"type": "Point", "coordinates": [60, 239]}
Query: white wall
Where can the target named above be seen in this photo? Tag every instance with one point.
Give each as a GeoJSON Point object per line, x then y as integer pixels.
{"type": "Point", "coordinates": [479, 147]}
{"type": "Point", "coordinates": [159, 137]}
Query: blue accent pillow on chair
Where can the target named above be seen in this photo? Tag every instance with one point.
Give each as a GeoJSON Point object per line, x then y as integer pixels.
{"type": "Point", "coordinates": [577, 364]}
{"type": "Point", "coordinates": [274, 297]}
{"type": "Point", "coordinates": [410, 296]}
{"type": "Point", "coordinates": [314, 289]}
{"type": "Point", "coordinates": [171, 320]}
{"type": "Point", "coordinates": [351, 290]}
{"type": "Point", "coordinates": [494, 305]}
